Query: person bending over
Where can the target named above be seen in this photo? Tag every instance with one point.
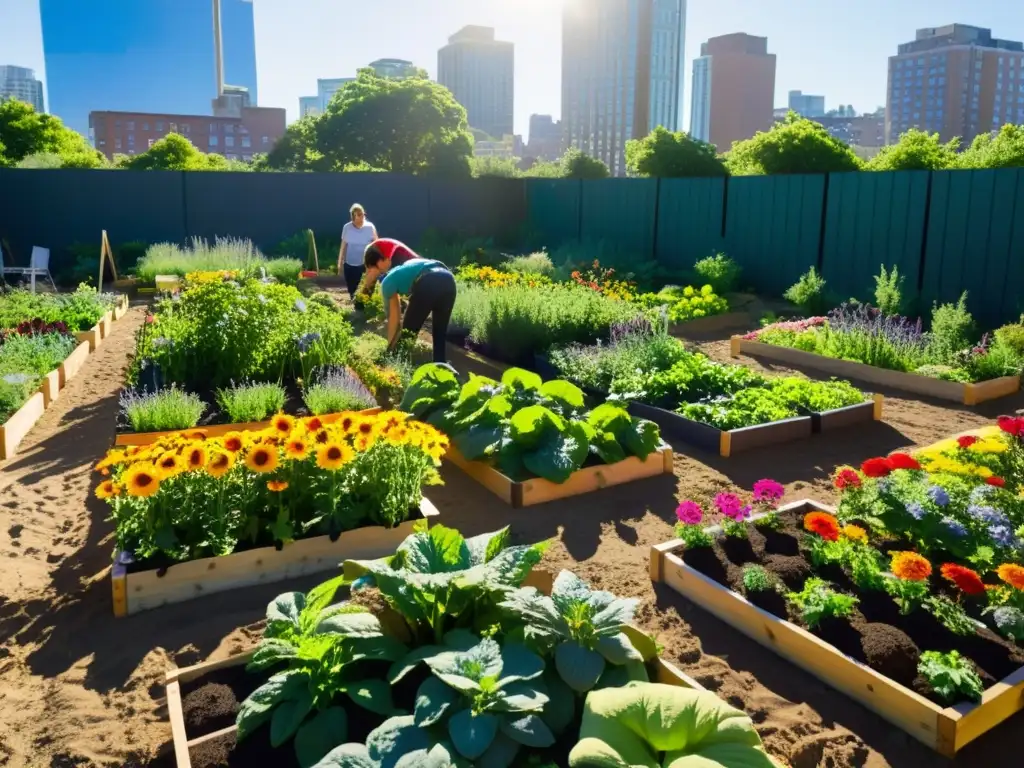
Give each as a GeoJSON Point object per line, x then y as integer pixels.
{"type": "Point", "coordinates": [428, 284]}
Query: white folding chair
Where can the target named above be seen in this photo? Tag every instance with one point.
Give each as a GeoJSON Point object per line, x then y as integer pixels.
{"type": "Point", "coordinates": [38, 265]}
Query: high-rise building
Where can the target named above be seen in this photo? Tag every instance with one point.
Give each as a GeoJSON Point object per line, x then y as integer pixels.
{"type": "Point", "coordinates": [480, 73]}
{"type": "Point", "coordinates": [152, 56]}
{"type": "Point", "coordinates": [622, 73]}
{"type": "Point", "coordinates": [397, 68]}
{"type": "Point", "coordinates": [309, 105]}
{"type": "Point", "coordinates": [20, 83]}
{"type": "Point", "coordinates": [955, 80]}
{"type": "Point", "coordinates": [545, 138]}
{"type": "Point", "coordinates": [733, 89]}
{"type": "Point", "coordinates": [806, 105]}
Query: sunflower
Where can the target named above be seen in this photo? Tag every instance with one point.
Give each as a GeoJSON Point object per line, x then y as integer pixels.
{"type": "Point", "coordinates": [112, 458]}
{"type": "Point", "coordinates": [398, 436]}
{"type": "Point", "coordinates": [296, 448]}
{"type": "Point", "coordinates": [363, 443]}
{"type": "Point", "coordinates": [283, 424]}
{"type": "Point", "coordinates": [141, 480]}
{"type": "Point", "coordinates": [910, 566]}
{"type": "Point", "coordinates": [220, 464]}
{"type": "Point", "coordinates": [366, 427]}
{"type": "Point", "coordinates": [314, 424]}
{"type": "Point", "coordinates": [107, 490]}
{"type": "Point", "coordinates": [1012, 574]}
{"type": "Point", "coordinates": [276, 486]}
{"type": "Point", "coordinates": [262, 458]}
{"type": "Point", "coordinates": [234, 442]}
{"type": "Point", "coordinates": [322, 436]}
{"type": "Point", "coordinates": [169, 465]}
{"type": "Point", "coordinates": [196, 457]}
{"type": "Point", "coordinates": [346, 423]}
{"type": "Point", "coordinates": [333, 456]}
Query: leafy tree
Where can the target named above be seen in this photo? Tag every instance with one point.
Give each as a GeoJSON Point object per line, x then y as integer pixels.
{"type": "Point", "coordinates": [42, 160]}
{"type": "Point", "coordinates": [669, 155]}
{"type": "Point", "coordinates": [24, 132]}
{"type": "Point", "coordinates": [176, 153]}
{"type": "Point", "coordinates": [1004, 150]}
{"type": "Point", "coordinates": [408, 125]}
{"type": "Point", "coordinates": [795, 145]}
{"type": "Point", "coordinates": [916, 151]}
{"type": "Point", "coordinates": [578, 165]}
{"type": "Point", "coordinates": [501, 167]}
{"type": "Point", "coordinates": [295, 151]}
{"type": "Point", "coordinates": [543, 169]}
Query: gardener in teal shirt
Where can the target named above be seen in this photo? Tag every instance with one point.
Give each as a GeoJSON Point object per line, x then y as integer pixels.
{"type": "Point", "coordinates": [428, 284]}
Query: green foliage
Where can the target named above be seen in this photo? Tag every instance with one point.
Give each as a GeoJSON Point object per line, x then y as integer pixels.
{"type": "Point", "coordinates": [494, 167]}
{"type": "Point", "coordinates": [1004, 150]}
{"type": "Point", "coordinates": [718, 271]}
{"type": "Point", "coordinates": [816, 396]}
{"type": "Point", "coordinates": [79, 311]}
{"type": "Point", "coordinates": [952, 329]}
{"type": "Point", "coordinates": [951, 676]}
{"type": "Point", "coordinates": [916, 150]}
{"type": "Point", "coordinates": [1008, 621]}
{"type": "Point", "coordinates": [744, 409]}
{"type": "Point", "coordinates": [952, 615]}
{"type": "Point", "coordinates": [250, 402]}
{"type": "Point", "coordinates": [25, 132]}
{"type": "Point", "coordinates": [908, 594]}
{"type": "Point", "coordinates": [227, 254]}
{"type": "Point", "coordinates": [578, 165]}
{"type": "Point", "coordinates": [889, 291]}
{"type": "Point", "coordinates": [334, 390]}
{"type": "Point", "coordinates": [297, 150]}
{"type": "Point", "coordinates": [15, 390]}
{"type": "Point", "coordinates": [1011, 337]}
{"type": "Point", "coordinates": [175, 153]}
{"type": "Point", "coordinates": [756, 579]}
{"type": "Point", "coordinates": [808, 293]}
{"type": "Point", "coordinates": [24, 360]}
{"type": "Point", "coordinates": [795, 145]}
{"type": "Point", "coordinates": [689, 303]}
{"type": "Point", "coordinates": [533, 264]}
{"type": "Point", "coordinates": [665, 154]}
{"type": "Point", "coordinates": [817, 602]}
{"type": "Point", "coordinates": [662, 725]}
{"type": "Point", "coordinates": [163, 410]}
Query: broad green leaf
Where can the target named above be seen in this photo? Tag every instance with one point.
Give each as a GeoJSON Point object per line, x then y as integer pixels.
{"type": "Point", "coordinates": [580, 667]}
{"type": "Point", "coordinates": [347, 756]}
{"type": "Point", "coordinates": [641, 439]}
{"type": "Point", "coordinates": [439, 756]}
{"type": "Point", "coordinates": [617, 614]}
{"type": "Point", "coordinates": [395, 737]}
{"type": "Point", "coordinates": [560, 710]}
{"type": "Point", "coordinates": [607, 448]}
{"type": "Point", "coordinates": [519, 663]}
{"type": "Point", "coordinates": [478, 442]}
{"type": "Point", "coordinates": [617, 649]}
{"type": "Point", "coordinates": [439, 550]}
{"type": "Point", "coordinates": [510, 460]}
{"type": "Point", "coordinates": [372, 695]}
{"type": "Point", "coordinates": [408, 663]}
{"type": "Point", "coordinates": [320, 596]}
{"type": "Point", "coordinates": [518, 378]}
{"type": "Point", "coordinates": [522, 696]}
{"type": "Point", "coordinates": [501, 754]}
{"type": "Point", "coordinates": [288, 716]}
{"type": "Point", "coordinates": [460, 640]}
{"type": "Point", "coordinates": [256, 709]}
{"type": "Point", "coordinates": [567, 395]}
{"type": "Point", "coordinates": [609, 417]}
{"type": "Point", "coordinates": [350, 625]}
{"type": "Point", "coordinates": [380, 648]}
{"type": "Point", "coordinates": [433, 700]}
{"type": "Point", "coordinates": [432, 385]}
{"type": "Point", "coordinates": [537, 611]}
{"type": "Point", "coordinates": [472, 734]}
{"type": "Point", "coordinates": [320, 734]}
{"type": "Point", "coordinates": [286, 608]}
{"type": "Point", "coordinates": [477, 385]}
{"type": "Point", "coordinates": [460, 683]}
{"type": "Point", "coordinates": [486, 546]}
{"type": "Point", "coordinates": [558, 455]}
{"type": "Point", "coordinates": [644, 643]}
{"type": "Point", "coordinates": [271, 651]}
{"type": "Point", "coordinates": [619, 676]}
{"type": "Point", "coordinates": [529, 426]}
{"type": "Point", "coordinates": [528, 730]}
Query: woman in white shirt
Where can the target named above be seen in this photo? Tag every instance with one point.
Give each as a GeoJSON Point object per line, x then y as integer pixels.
{"type": "Point", "coordinates": [356, 235]}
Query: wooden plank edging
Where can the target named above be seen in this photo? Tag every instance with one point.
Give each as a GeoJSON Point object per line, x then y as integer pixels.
{"type": "Point", "coordinates": [944, 729]}
{"type": "Point", "coordinates": [92, 336]}
{"type": "Point", "coordinates": [18, 424]}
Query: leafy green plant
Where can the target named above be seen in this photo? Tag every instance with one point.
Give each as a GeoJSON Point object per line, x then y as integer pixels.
{"type": "Point", "coordinates": [952, 615]}
{"type": "Point", "coordinates": [952, 328]}
{"type": "Point", "coordinates": [79, 310]}
{"type": "Point", "coordinates": [161, 411]}
{"type": "Point", "coordinates": [817, 602]}
{"type": "Point", "coordinates": [756, 579]}
{"type": "Point", "coordinates": [251, 402]}
{"type": "Point", "coordinates": [533, 264]}
{"type": "Point", "coordinates": [808, 293]}
{"type": "Point", "coordinates": [334, 390]}
{"type": "Point", "coordinates": [865, 566]}
{"type": "Point", "coordinates": [744, 409]}
{"type": "Point", "coordinates": [719, 271]}
{"type": "Point", "coordinates": [15, 390]}
{"type": "Point", "coordinates": [1011, 336]}
{"type": "Point", "coordinates": [908, 593]}
{"type": "Point", "coordinates": [228, 254]}
{"type": "Point", "coordinates": [951, 676]}
{"type": "Point", "coordinates": [816, 396]}
{"type": "Point", "coordinates": [889, 291]}
{"type": "Point", "coordinates": [1009, 621]}
{"type": "Point", "coordinates": [661, 725]}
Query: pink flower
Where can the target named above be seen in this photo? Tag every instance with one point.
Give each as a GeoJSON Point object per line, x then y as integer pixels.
{"type": "Point", "coordinates": [768, 492]}
{"type": "Point", "coordinates": [690, 513]}
{"type": "Point", "coordinates": [729, 504]}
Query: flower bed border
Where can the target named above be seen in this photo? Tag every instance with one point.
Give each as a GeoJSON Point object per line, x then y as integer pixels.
{"type": "Point", "coordinates": [124, 439]}
{"type": "Point", "coordinates": [663, 672]}
{"type": "Point", "coordinates": [144, 590]}
{"type": "Point", "coordinates": [944, 729]}
{"type": "Point", "coordinates": [528, 493]}
{"type": "Point", "coordinates": [967, 394]}
{"type": "Point", "coordinates": [712, 324]}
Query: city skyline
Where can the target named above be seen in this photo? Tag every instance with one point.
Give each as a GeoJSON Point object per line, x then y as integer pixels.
{"type": "Point", "coordinates": [847, 62]}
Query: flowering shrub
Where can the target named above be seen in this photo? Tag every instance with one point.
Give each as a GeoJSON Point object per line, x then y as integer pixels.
{"type": "Point", "coordinates": [490, 277]}
{"type": "Point", "coordinates": [211, 276]}
{"type": "Point", "coordinates": [603, 280]}
{"type": "Point", "coordinates": [734, 511]}
{"type": "Point", "coordinates": [186, 497]}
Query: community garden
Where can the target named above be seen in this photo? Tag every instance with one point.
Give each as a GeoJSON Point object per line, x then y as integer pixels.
{"type": "Point", "coordinates": [638, 519]}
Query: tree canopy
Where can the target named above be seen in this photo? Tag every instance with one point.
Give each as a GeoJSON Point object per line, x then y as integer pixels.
{"type": "Point", "coordinates": [916, 151]}
{"type": "Point", "coordinates": [795, 145]}
{"type": "Point", "coordinates": [25, 132]}
{"type": "Point", "coordinates": [578, 165]}
{"type": "Point", "coordinates": [669, 155]}
{"type": "Point", "coordinates": [1004, 150]}
{"type": "Point", "coordinates": [176, 153]}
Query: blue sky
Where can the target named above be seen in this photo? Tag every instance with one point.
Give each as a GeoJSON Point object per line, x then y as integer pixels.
{"type": "Point", "coordinates": [833, 47]}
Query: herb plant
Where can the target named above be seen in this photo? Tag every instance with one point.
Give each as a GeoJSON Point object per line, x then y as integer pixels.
{"type": "Point", "coordinates": [889, 291]}
{"type": "Point", "coordinates": [249, 402]}
{"type": "Point", "coordinates": [334, 390]}
{"type": "Point", "coordinates": [719, 271]}
{"type": "Point", "coordinates": [951, 676]}
{"type": "Point", "coordinates": [952, 615]}
{"type": "Point", "coordinates": [161, 411]}
{"type": "Point", "coordinates": [817, 602]}
{"type": "Point", "coordinates": [756, 580]}
{"type": "Point", "coordinates": [808, 293]}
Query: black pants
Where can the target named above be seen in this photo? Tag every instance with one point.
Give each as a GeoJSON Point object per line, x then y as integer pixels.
{"type": "Point", "coordinates": [432, 294]}
{"type": "Point", "coordinates": [353, 274]}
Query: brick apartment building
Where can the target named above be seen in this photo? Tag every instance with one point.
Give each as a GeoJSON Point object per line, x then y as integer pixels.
{"type": "Point", "coordinates": [236, 138]}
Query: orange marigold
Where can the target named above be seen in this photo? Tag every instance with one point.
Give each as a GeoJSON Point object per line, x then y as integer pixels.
{"type": "Point", "coordinates": [1012, 574]}
{"type": "Point", "coordinates": [910, 566]}
{"type": "Point", "coordinates": [823, 524]}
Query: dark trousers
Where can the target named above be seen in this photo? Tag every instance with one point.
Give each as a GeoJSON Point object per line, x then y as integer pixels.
{"type": "Point", "coordinates": [432, 294]}
{"type": "Point", "coordinates": [353, 274]}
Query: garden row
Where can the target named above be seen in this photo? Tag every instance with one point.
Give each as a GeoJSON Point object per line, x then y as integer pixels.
{"type": "Point", "coordinates": [44, 340]}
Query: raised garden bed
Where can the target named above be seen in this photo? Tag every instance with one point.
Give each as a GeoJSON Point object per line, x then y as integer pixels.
{"type": "Point", "coordinates": [944, 729]}
{"type": "Point", "coordinates": [528, 493]}
{"type": "Point", "coordinates": [134, 591]}
{"type": "Point", "coordinates": [967, 394]}
{"type": "Point", "coordinates": [711, 324]}
{"type": "Point", "coordinates": [229, 673]}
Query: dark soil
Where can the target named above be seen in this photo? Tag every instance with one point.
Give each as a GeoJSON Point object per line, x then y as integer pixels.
{"type": "Point", "coordinates": [211, 703]}
{"type": "Point", "coordinates": [773, 602]}
{"type": "Point", "coordinates": [889, 651]}
{"type": "Point", "coordinates": [253, 752]}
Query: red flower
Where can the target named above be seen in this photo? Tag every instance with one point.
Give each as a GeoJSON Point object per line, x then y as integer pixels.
{"type": "Point", "coordinates": [150, 319]}
{"type": "Point", "coordinates": [966, 441]}
{"type": "Point", "coordinates": [998, 482]}
{"type": "Point", "coordinates": [823, 524]}
{"type": "Point", "coordinates": [877, 467]}
{"type": "Point", "coordinates": [846, 478]}
{"type": "Point", "coordinates": [903, 461]}
{"type": "Point", "coordinates": [1012, 425]}
{"type": "Point", "coordinates": [966, 580]}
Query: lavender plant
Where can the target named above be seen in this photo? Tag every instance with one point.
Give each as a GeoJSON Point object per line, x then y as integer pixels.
{"type": "Point", "coordinates": [337, 389]}
{"type": "Point", "coordinates": [159, 411]}
{"type": "Point", "coordinates": [248, 402]}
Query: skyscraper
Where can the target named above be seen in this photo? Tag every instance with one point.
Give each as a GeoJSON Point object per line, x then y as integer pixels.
{"type": "Point", "coordinates": [955, 80]}
{"type": "Point", "coordinates": [152, 56]}
{"type": "Point", "coordinates": [480, 73]}
{"type": "Point", "coordinates": [21, 84]}
{"type": "Point", "coordinates": [733, 89]}
{"type": "Point", "coordinates": [397, 68]}
{"type": "Point", "coordinates": [622, 73]}
{"type": "Point", "coordinates": [806, 105]}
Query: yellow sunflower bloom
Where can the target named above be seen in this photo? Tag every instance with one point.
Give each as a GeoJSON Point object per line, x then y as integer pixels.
{"type": "Point", "coordinates": [333, 456]}
{"type": "Point", "coordinates": [362, 443]}
{"type": "Point", "coordinates": [297, 449]}
{"type": "Point", "coordinates": [169, 465]}
{"type": "Point", "coordinates": [234, 442]}
{"type": "Point", "coordinates": [313, 424]}
{"type": "Point", "coordinates": [108, 489]}
{"type": "Point", "coordinates": [346, 422]}
{"type": "Point", "coordinates": [262, 458]}
{"type": "Point", "coordinates": [220, 464]}
{"type": "Point", "coordinates": [196, 457]}
{"type": "Point", "coordinates": [282, 424]}
{"type": "Point", "coordinates": [141, 480]}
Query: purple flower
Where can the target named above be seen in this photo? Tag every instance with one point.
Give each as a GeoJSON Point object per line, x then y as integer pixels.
{"type": "Point", "coordinates": [955, 527]}
{"type": "Point", "coordinates": [979, 493]}
{"type": "Point", "coordinates": [938, 495]}
{"type": "Point", "coordinates": [915, 510]}
{"type": "Point", "coordinates": [883, 485]}
{"type": "Point", "coordinates": [1002, 536]}
{"type": "Point", "coordinates": [690, 513]}
{"type": "Point", "coordinates": [768, 492]}
{"type": "Point", "coordinates": [988, 515]}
